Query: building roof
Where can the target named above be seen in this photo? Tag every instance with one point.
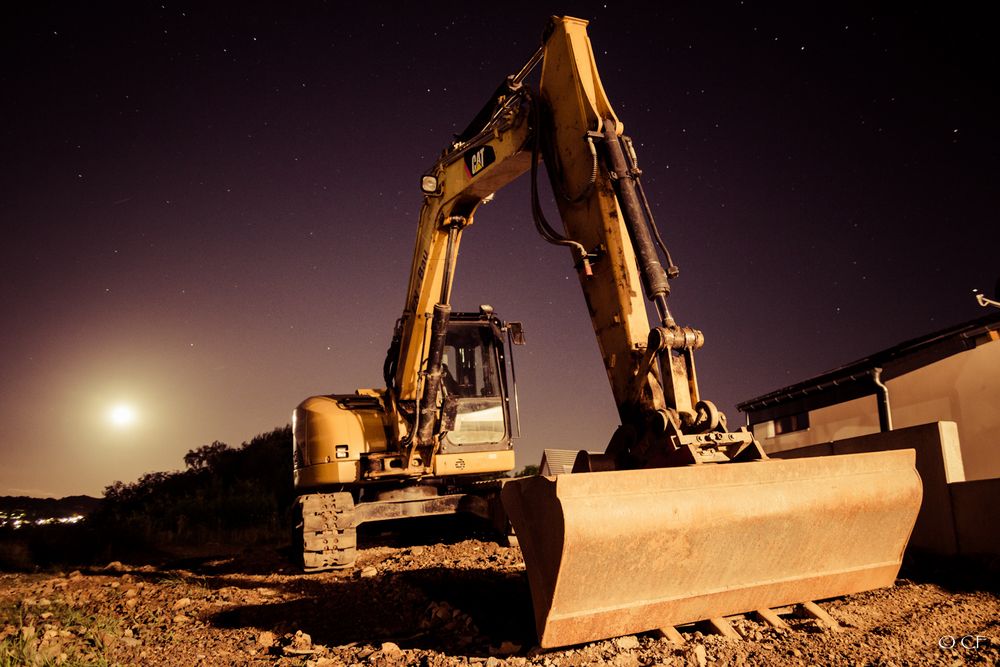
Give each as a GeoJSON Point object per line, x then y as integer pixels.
{"type": "Point", "coordinates": [559, 461]}
{"type": "Point", "coordinates": [856, 379]}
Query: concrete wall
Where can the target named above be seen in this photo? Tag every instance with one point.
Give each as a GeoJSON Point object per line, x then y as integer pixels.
{"type": "Point", "coordinates": [836, 422]}
{"type": "Point", "coordinates": [939, 463]}
{"type": "Point", "coordinates": [964, 388]}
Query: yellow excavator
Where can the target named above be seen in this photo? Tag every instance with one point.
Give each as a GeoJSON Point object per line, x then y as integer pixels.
{"type": "Point", "coordinates": [680, 519]}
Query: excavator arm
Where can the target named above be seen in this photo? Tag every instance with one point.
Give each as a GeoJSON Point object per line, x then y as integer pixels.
{"type": "Point", "coordinates": [594, 172]}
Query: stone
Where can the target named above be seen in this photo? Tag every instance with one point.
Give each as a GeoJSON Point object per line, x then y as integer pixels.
{"type": "Point", "coordinates": [323, 662]}
{"type": "Point", "coordinates": [180, 604]}
{"type": "Point", "coordinates": [700, 655]}
{"type": "Point", "coordinates": [301, 640]}
{"type": "Point", "coordinates": [368, 572]}
{"type": "Point", "coordinates": [627, 643]}
{"type": "Point", "coordinates": [508, 648]}
{"type": "Point", "coordinates": [265, 639]}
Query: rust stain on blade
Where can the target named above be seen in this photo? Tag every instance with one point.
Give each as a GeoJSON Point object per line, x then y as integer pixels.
{"type": "Point", "coordinates": [616, 553]}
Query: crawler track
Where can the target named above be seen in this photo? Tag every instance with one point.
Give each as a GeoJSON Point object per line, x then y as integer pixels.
{"type": "Point", "coordinates": [325, 528]}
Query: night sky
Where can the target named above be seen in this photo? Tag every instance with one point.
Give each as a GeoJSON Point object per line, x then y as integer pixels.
{"type": "Point", "coordinates": [209, 212]}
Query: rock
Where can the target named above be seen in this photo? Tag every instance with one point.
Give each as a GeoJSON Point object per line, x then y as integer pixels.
{"type": "Point", "coordinates": [180, 604]}
{"type": "Point", "coordinates": [797, 653]}
{"type": "Point", "coordinates": [75, 574]}
{"type": "Point", "coordinates": [301, 640]}
{"type": "Point", "coordinates": [323, 662]}
{"type": "Point", "coordinates": [700, 655]}
{"type": "Point", "coordinates": [627, 659]}
{"type": "Point", "coordinates": [265, 639]}
{"type": "Point", "coordinates": [627, 643]}
{"type": "Point", "coordinates": [114, 566]}
{"type": "Point", "coordinates": [368, 572]}
{"type": "Point", "coordinates": [181, 618]}
{"type": "Point", "coordinates": [390, 648]}
{"type": "Point", "coordinates": [417, 551]}
{"type": "Point", "coordinates": [131, 593]}
{"type": "Point", "coordinates": [508, 648]}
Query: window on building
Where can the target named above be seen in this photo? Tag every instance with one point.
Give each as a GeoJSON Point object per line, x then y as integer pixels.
{"type": "Point", "coordinates": [791, 423]}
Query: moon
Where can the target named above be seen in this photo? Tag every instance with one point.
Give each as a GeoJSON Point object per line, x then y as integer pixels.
{"type": "Point", "coordinates": [122, 415]}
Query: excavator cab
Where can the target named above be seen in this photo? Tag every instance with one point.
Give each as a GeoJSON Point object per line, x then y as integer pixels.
{"type": "Point", "coordinates": [475, 397]}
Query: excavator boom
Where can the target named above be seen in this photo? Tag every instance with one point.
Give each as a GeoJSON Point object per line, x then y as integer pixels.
{"type": "Point", "coordinates": [680, 520]}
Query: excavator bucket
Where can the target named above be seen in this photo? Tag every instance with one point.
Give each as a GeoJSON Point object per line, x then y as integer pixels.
{"type": "Point", "coordinates": [615, 553]}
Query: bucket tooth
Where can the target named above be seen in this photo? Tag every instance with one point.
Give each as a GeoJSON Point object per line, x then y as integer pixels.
{"type": "Point", "coordinates": [771, 617]}
{"type": "Point", "coordinates": [615, 553]}
{"type": "Point", "coordinates": [721, 626]}
{"type": "Point", "coordinates": [819, 614]}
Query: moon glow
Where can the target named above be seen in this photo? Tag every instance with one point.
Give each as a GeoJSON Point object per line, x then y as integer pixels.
{"type": "Point", "coordinates": [122, 416]}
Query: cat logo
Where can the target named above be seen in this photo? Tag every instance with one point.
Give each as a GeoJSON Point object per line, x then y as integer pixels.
{"type": "Point", "coordinates": [478, 159]}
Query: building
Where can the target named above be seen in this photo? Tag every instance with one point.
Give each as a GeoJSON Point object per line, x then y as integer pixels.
{"type": "Point", "coordinates": [557, 462]}
{"type": "Point", "coordinates": [950, 375]}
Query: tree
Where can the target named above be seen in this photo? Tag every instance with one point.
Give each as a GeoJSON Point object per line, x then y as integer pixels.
{"type": "Point", "coordinates": [205, 456]}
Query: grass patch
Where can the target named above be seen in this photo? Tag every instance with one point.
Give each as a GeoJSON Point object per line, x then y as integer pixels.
{"type": "Point", "coordinates": [23, 640]}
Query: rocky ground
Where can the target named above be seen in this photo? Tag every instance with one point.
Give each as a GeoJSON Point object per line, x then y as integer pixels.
{"type": "Point", "coordinates": [460, 602]}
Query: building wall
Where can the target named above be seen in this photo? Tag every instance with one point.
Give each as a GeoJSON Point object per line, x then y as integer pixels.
{"type": "Point", "coordinates": [964, 388]}
{"type": "Point", "coordinates": [836, 422]}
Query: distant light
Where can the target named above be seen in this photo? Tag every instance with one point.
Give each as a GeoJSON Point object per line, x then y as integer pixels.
{"type": "Point", "coordinates": [122, 415]}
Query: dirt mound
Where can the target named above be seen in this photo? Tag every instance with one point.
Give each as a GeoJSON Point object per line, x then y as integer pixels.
{"type": "Point", "coordinates": [463, 603]}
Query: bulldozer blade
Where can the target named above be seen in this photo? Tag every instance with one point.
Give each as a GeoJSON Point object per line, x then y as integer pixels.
{"type": "Point", "coordinates": [615, 553]}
